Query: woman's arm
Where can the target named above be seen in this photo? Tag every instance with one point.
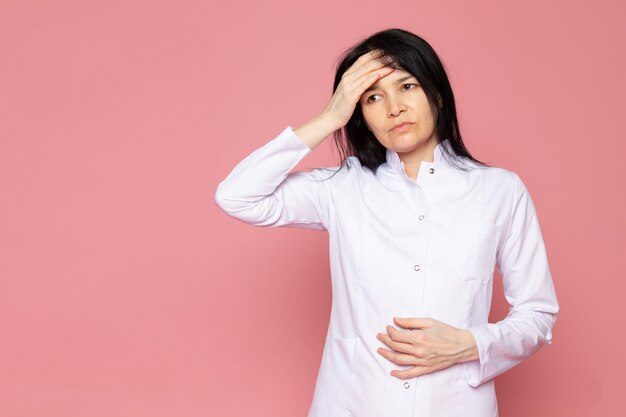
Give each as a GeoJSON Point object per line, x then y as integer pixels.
{"type": "Point", "coordinates": [261, 191]}
{"type": "Point", "coordinates": [529, 290]}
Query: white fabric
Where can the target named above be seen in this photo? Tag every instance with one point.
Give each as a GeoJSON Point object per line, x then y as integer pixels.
{"type": "Point", "coordinates": [405, 248]}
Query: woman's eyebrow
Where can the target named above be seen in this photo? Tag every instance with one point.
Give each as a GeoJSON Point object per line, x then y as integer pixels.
{"type": "Point", "coordinates": [399, 80]}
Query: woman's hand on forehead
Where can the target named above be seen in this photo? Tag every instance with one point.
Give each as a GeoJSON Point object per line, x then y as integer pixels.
{"type": "Point", "coordinates": [364, 72]}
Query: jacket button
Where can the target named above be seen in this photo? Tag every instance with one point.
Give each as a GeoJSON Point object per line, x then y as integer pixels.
{"type": "Point", "coordinates": [417, 267]}
{"type": "Point", "coordinates": [432, 170]}
{"type": "Point", "coordinates": [421, 217]}
{"type": "Point", "coordinates": [407, 385]}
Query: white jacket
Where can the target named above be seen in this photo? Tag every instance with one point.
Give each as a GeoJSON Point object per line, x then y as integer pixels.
{"type": "Point", "coordinates": [405, 248]}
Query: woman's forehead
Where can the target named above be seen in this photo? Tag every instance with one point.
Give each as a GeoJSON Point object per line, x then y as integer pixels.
{"type": "Point", "coordinates": [398, 75]}
{"type": "Point", "coordinates": [399, 70]}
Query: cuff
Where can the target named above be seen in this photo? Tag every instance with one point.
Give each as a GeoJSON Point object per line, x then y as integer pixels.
{"type": "Point", "coordinates": [291, 135]}
{"type": "Point", "coordinates": [473, 370]}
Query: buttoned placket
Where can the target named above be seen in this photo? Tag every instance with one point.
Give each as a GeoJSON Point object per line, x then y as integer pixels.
{"type": "Point", "coordinates": [427, 169]}
{"type": "Point", "coordinates": [406, 392]}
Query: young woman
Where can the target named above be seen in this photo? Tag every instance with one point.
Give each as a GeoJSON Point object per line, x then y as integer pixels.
{"type": "Point", "coordinates": [416, 226]}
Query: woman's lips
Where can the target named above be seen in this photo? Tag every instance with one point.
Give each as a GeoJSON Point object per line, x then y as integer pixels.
{"type": "Point", "coordinates": [402, 127]}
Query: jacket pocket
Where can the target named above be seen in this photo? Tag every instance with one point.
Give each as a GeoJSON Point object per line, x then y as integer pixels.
{"type": "Point", "coordinates": [473, 247]}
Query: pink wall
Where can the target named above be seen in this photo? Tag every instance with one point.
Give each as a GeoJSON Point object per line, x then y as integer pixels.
{"type": "Point", "coordinates": [124, 291]}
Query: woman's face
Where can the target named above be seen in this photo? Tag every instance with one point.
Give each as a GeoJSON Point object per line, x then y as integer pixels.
{"type": "Point", "coordinates": [394, 99]}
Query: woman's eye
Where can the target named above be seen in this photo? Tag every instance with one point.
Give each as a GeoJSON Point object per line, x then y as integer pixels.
{"type": "Point", "coordinates": [370, 98]}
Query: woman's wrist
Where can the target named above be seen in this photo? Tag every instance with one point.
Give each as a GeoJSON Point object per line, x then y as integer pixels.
{"type": "Point", "coordinates": [315, 130]}
{"type": "Point", "coordinates": [469, 346]}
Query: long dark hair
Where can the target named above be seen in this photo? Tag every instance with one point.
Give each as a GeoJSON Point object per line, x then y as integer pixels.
{"type": "Point", "coordinates": [405, 50]}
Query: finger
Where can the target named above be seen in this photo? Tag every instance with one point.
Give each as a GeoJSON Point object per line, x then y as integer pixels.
{"type": "Point", "coordinates": [414, 322]}
{"type": "Point", "coordinates": [405, 336]}
{"type": "Point", "coordinates": [399, 358]}
{"type": "Point", "coordinates": [395, 345]}
{"type": "Point", "coordinates": [364, 69]}
{"type": "Point", "coordinates": [377, 72]}
{"type": "Point", "coordinates": [411, 372]}
{"type": "Point", "coordinates": [374, 54]}
{"type": "Point", "coordinates": [355, 88]}
{"type": "Point", "coordinates": [368, 79]}
{"type": "Point", "coordinates": [372, 57]}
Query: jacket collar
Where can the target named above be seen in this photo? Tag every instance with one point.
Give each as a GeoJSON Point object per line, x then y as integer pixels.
{"type": "Point", "coordinates": [395, 163]}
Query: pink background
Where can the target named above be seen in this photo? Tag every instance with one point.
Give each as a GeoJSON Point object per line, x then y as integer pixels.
{"type": "Point", "coordinates": [124, 291]}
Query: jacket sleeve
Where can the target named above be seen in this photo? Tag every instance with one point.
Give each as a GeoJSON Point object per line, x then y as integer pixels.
{"type": "Point", "coordinates": [261, 191]}
{"type": "Point", "coordinates": [529, 290]}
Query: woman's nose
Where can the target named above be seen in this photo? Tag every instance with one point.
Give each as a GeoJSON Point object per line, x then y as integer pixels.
{"type": "Point", "coordinates": [395, 107]}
